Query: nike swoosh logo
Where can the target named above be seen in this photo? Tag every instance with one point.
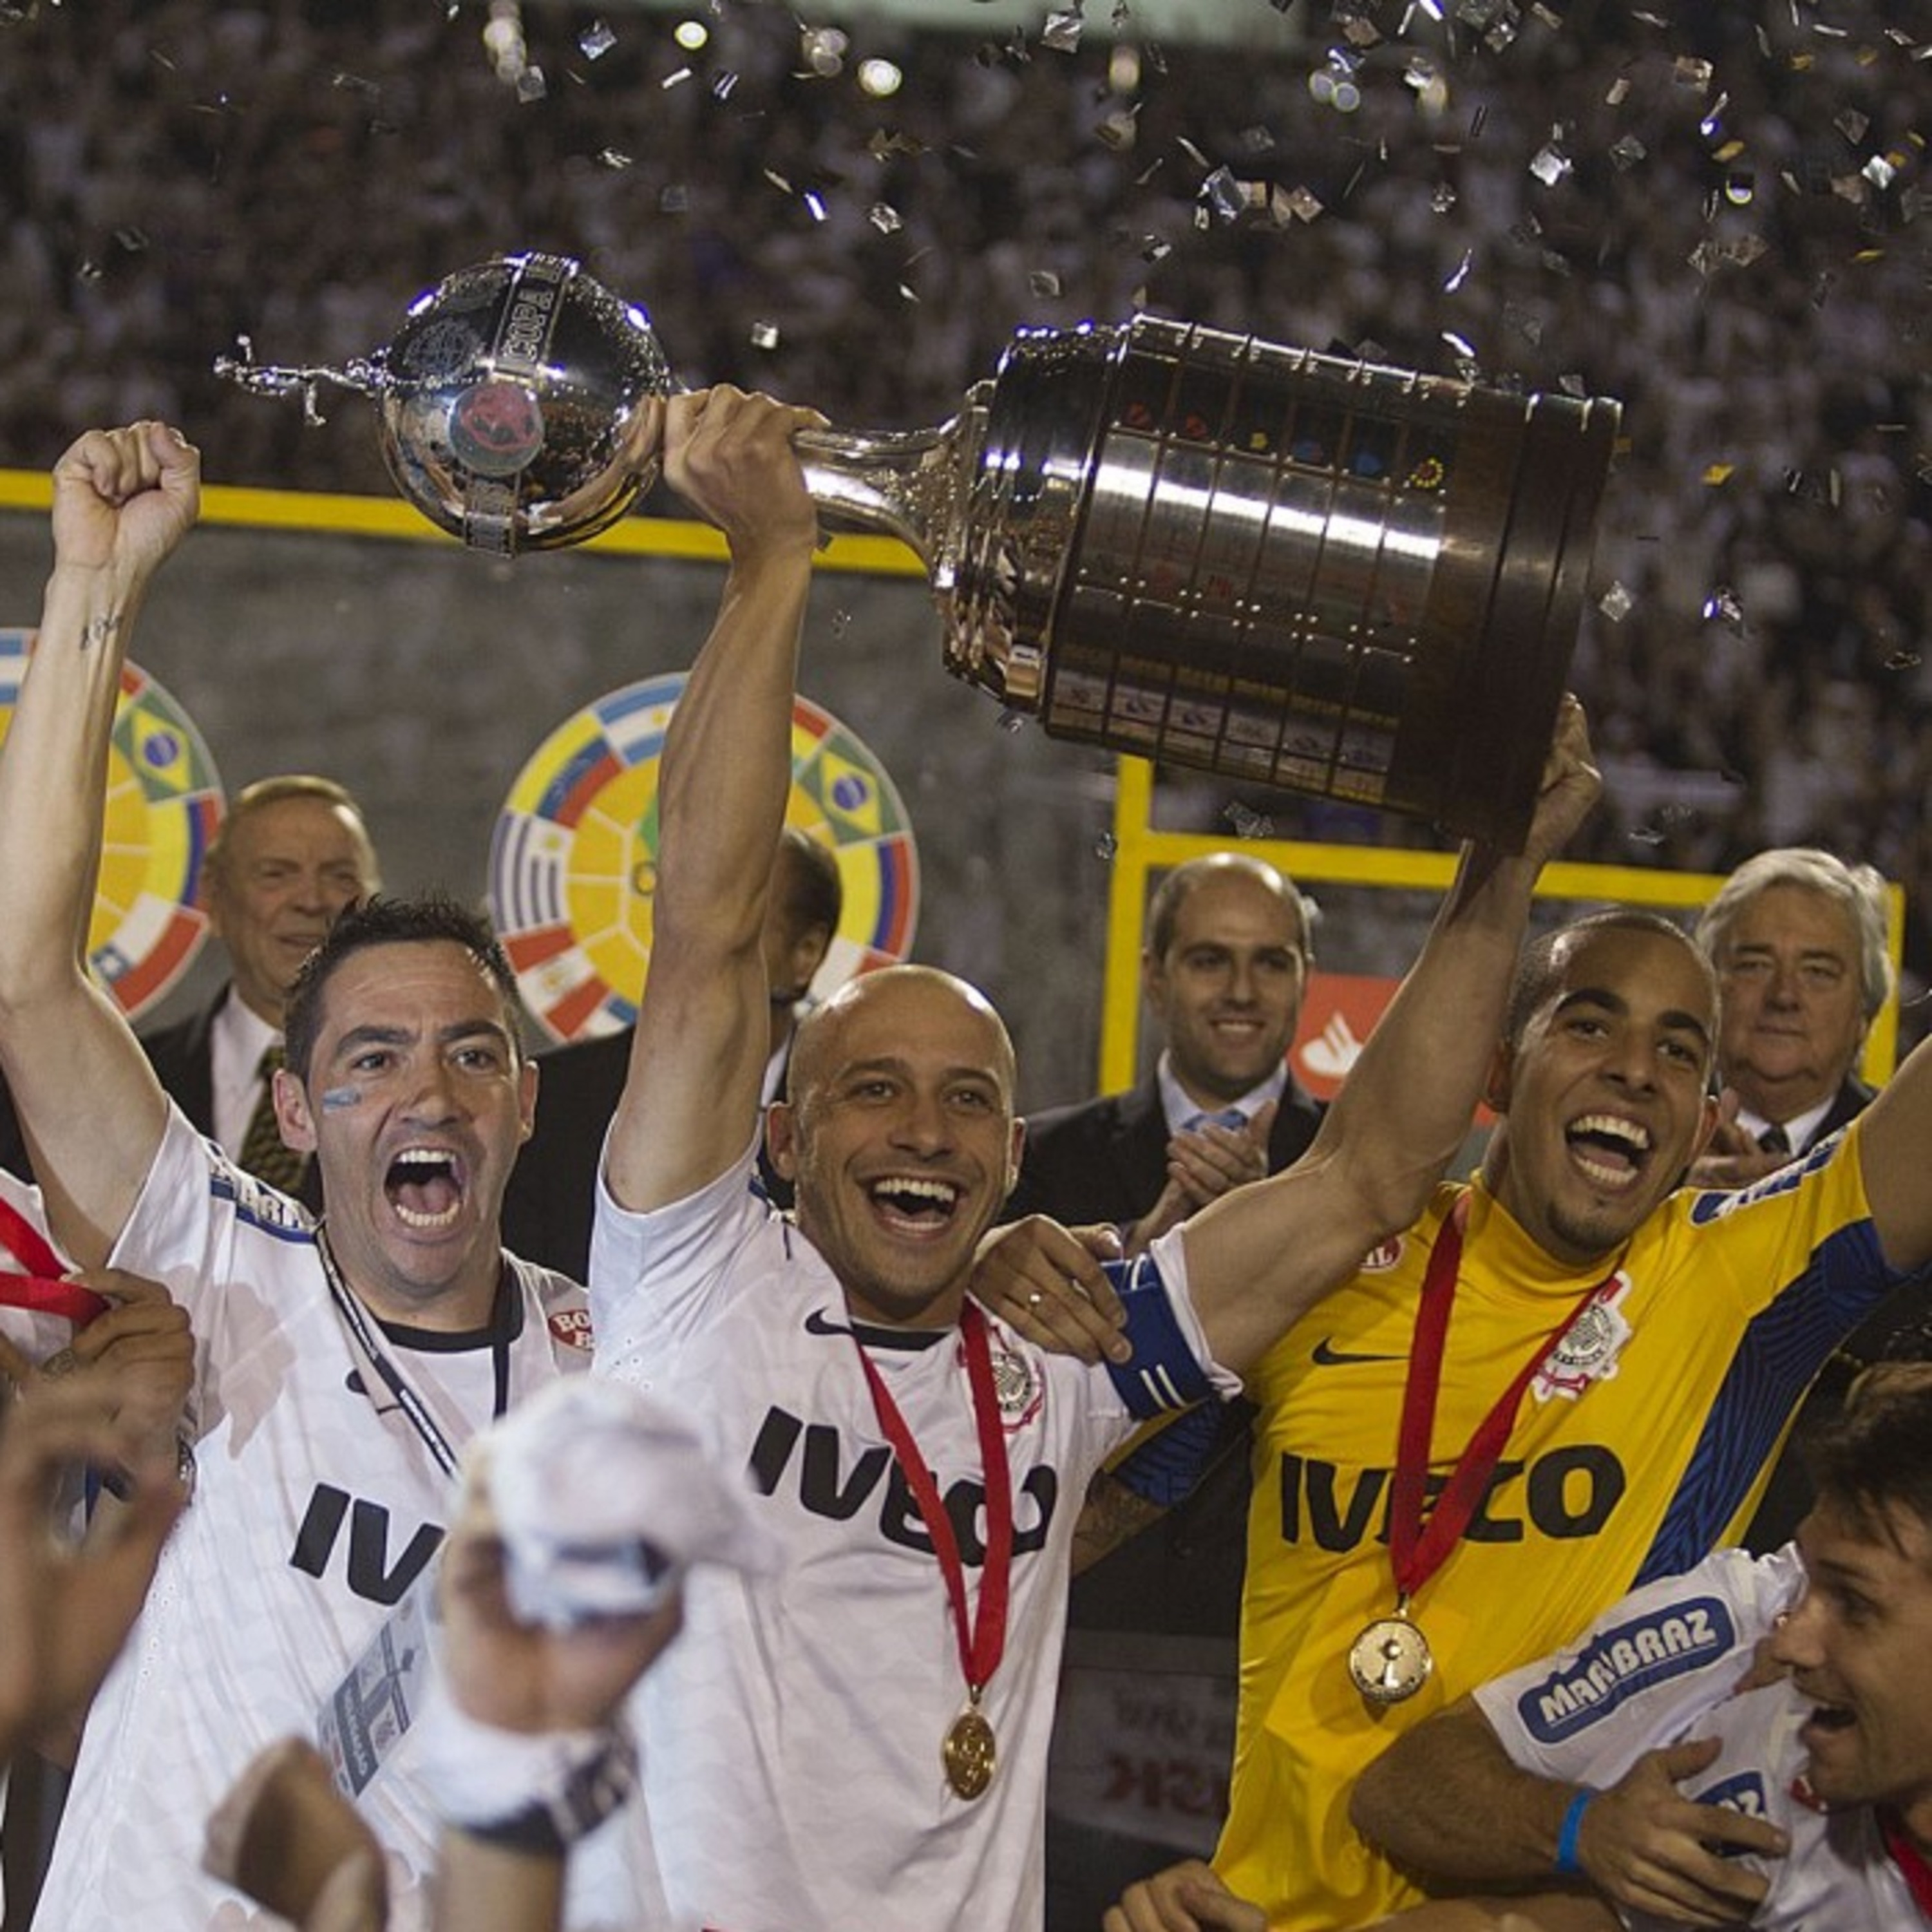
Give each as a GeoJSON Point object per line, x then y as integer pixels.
{"type": "Point", "coordinates": [817, 1323]}
{"type": "Point", "coordinates": [1326, 1356]}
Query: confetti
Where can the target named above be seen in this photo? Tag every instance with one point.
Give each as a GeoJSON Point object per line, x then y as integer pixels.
{"type": "Point", "coordinates": [1223, 195]}
{"type": "Point", "coordinates": [596, 41]}
{"type": "Point", "coordinates": [1616, 603]}
{"type": "Point", "coordinates": [1062, 32]}
{"type": "Point", "coordinates": [1549, 164]}
{"type": "Point", "coordinates": [1722, 607]}
{"type": "Point", "coordinates": [764, 335]}
{"type": "Point", "coordinates": [823, 51]}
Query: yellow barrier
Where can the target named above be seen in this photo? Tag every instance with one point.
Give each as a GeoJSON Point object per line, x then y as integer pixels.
{"type": "Point", "coordinates": [1141, 850]}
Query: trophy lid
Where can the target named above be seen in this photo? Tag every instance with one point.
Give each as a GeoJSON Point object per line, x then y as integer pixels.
{"type": "Point", "coordinates": [517, 404]}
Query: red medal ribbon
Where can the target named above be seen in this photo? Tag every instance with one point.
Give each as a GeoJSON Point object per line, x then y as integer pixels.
{"type": "Point", "coordinates": [1909, 1859]}
{"type": "Point", "coordinates": [41, 1290]}
{"type": "Point", "coordinates": [983, 1641]}
{"type": "Point", "coordinates": [1418, 1552]}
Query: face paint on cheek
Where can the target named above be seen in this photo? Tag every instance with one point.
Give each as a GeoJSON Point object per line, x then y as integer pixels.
{"type": "Point", "coordinates": [336, 1098]}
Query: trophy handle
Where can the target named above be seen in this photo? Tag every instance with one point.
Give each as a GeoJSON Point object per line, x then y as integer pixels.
{"type": "Point", "coordinates": [908, 483]}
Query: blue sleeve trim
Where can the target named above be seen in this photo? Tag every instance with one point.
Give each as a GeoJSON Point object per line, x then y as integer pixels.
{"type": "Point", "coordinates": [1782, 1348]}
{"type": "Point", "coordinates": [1163, 1375]}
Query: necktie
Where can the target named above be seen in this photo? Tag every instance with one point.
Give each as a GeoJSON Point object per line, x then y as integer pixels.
{"type": "Point", "coordinates": [1230, 1117]}
{"type": "Point", "coordinates": [263, 1152]}
{"type": "Point", "coordinates": [1774, 1140]}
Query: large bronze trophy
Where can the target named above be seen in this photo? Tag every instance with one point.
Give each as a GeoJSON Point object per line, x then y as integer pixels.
{"type": "Point", "coordinates": [1293, 569]}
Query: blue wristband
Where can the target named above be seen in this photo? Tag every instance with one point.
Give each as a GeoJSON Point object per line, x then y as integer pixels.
{"type": "Point", "coordinates": [1567, 1865]}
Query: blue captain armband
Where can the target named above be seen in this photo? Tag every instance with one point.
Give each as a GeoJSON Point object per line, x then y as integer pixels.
{"type": "Point", "coordinates": [1163, 1375]}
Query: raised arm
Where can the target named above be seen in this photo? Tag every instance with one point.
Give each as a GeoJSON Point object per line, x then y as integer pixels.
{"type": "Point", "coordinates": [1260, 1256]}
{"type": "Point", "coordinates": [690, 1102]}
{"type": "Point", "coordinates": [91, 1107]}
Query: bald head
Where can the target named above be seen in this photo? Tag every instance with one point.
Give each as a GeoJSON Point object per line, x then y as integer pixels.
{"type": "Point", "coordinates": [897, 1134]}
{"type": "Point", "coordinates": [918, 998]}
{"type": "Point", "coordinates": [1228, 870]}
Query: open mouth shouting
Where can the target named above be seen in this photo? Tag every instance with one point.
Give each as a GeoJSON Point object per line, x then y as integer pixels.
{"type": "Point", "coordinates": [426, 1186]}
{"type": "Point", "coordinates": [914, 1204]}
{"type": "Point", "coordinates": [1827, 1723]}
{"type": "Point", "coordinates": [1610, 1152]}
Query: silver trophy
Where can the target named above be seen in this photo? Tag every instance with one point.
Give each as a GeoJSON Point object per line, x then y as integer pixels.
{"type": "Point", "coordinates": [1294, 570]}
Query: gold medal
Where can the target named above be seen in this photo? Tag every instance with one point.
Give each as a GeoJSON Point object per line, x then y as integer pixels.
{"type": "Point", "coordinates": [1391, 1661]}
{"type": "Point", "coordinates": [969, 1753]}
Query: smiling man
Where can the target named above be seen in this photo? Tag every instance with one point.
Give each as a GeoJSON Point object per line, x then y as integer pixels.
{"type": "Point", "coordinates": [338, 1372]}
{"type": "Point", "coordinates": [1566, 1379]}
{"type": "Point", "coordinates": [1799, 940]}
{"type": "Point", "coordinates": [1651, 1759]}
{"type": "Point", "coordinates": [861, 1740]}
{"type": "Point", "coordinates": [1224, 971]}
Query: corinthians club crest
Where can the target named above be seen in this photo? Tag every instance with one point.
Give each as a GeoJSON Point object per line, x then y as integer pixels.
{"type": "Point", "coordinates": [1015, 1386]}
{"type": "Point", "coordinates": [1588, 1352]}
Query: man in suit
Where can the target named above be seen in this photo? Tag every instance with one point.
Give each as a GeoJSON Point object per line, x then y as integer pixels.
{"type": "Point", "coordinates": [1224, 970]}
{"type": "Point", "coordinates": [1799, 940]}
{"type": "Point", "coordinates": [290, 853]}
{"type": "Point", "coordinates": [546, 1211]}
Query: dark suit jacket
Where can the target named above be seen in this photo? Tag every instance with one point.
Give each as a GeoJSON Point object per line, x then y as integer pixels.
{"type": "Point", "coordinates": [182, 1055]}
{"type": "Point", "coordinates": [1106, 1159]}
{"type": "Point", "coordinates": [1853, 1098]}
{"type": "Point", "coordinates": [553, 1191]}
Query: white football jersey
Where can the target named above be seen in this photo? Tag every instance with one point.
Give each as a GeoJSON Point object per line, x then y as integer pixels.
{"type": "Point", "coordinates": [792, 1771]}
{"type": "Point", "coordinates": [318, 1502]}
{"type": "Point", "coordinates": [1662, 1665]}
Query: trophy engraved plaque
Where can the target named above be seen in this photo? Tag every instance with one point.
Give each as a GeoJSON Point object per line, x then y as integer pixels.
{"type": "Point", "coordinates": [1294, 570]}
